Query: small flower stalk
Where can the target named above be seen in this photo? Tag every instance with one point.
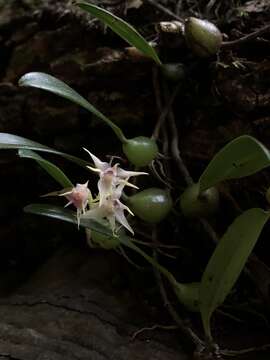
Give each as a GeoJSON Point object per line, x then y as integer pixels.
{"type": "Point", "coordinates": [107, 205]}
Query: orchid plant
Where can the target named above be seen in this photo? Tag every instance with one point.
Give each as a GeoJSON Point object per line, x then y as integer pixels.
{"type": "Point", "coordinates": [106, 213]}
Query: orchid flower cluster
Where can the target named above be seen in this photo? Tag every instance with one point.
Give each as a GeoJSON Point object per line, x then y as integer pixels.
{"type": "Point", "coordinates": [107, 204]}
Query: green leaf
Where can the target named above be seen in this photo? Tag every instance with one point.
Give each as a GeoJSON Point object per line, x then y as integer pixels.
{"type": "Point", "coordinates": [10, 141]}
{"type": "Point", "coordinates": [242, 157]}
{"type": "Point", "coordinates": [121, 28]}
{"type": "Point", "coordinates": [50, 83]}
{"type": "Point", "coordinates": [186, 293]}
{"type": "Point", "coordinates": [51, 169]}
{"type": "Point", "coordinates": [59, 213]}
{"type": "Point", "coordinates": [228, 260]}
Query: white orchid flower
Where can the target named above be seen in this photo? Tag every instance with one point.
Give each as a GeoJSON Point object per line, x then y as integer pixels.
{"type": "Point", "coordinates": [112, 210]}
{"type": "Point", "coordinates": [107, 204]}
{"type": "Point", "coordinates": [110, 177]}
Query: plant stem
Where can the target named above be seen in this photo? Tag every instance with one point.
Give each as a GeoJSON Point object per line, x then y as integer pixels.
{"type": "Point", "coordinates": [116, 129]}
{"type": "Point", "coordinates": [246, 38]}
{"type": "Point", "coordinates": [165, 10]}
{"type": "Point", "coordinates": [184, 328]}
{"type": "Point", "coordinates": [166, 110]}
{"type": "Point", "coordinates": [174, 142]}
{"type": "Point", "coordinates": [128, 242]}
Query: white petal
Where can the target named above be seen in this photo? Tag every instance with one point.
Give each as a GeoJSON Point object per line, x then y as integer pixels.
{"type": "Point", "coordinates": [120, 217]}
{"type": "Point", "coordinates": [101, 165]}
{"type": "Point", "coordinates": [127, 174]}
{"type": "Point", "coordinates": [124, 207]}
{"type": "Point", "coordinates": [58, 193]}
{"type": "Point", "coordinates": [66, 193]}
{"type": "Point", "coordinates": [117, 192]}
{"type": "Point", "coordinates": [93, 169]}
{"type": "Point", "coordinates": [126, 183]}
{"type": "Point", "coordinates": [85, 185]}
{"type": "Point", "coordinates": [69, 203]}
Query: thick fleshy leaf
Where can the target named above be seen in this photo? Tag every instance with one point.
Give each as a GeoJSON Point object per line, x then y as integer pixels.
{"type": "Point", "coordinates": [49, 83]}
{"type": "Point", "coordinates": [242, 157]}
{"type": "Point", "coordinates": [10, 141]}
{"type": "Point", "coordinates": [51, 169]}
{"type": "Point", "coordinates": [121, 28]}
{"type": "Point", "coordinates": [59, 213]}
{"type": "Point", "coordinates": [186, 293]}
{"type": "Point", "coordinates": [228, 260]}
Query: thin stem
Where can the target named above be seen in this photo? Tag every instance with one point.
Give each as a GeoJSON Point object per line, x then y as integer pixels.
{"type": "Point", "coordinates": [180, 289]}
{"type": "Point", "coordinates": [164, 113]}
{"type": "Point", "coordinates": [128, 242]}
{"type": "Point", "coordinates": [161, 125]}
{"type": "Point", "coordinates": [244, 39]}
{"type": "Point", "coordinates": [182, 167]}
{"type": "Point", "coordinates": [155, 80]}
{"type": "Point", "coordinates": [152, 328]}
{"type": "Point", "coordinates": [185, 329]}
{"type": "Point", "coordinates": [174, 142]}
{"type": "Point", "coordinates": [245, 351]}
{"type": "Point", "coordinates": [165, 10]}
{"type": "Point", "coordinates": [178, 7]}
{"type": "Point", "coordinates": [116, 129]}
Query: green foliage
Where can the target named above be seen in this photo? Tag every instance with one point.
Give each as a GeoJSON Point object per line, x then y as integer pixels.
{"type": "Point", "coordinates": [242, 157]}
{"type": "Point", "coordinates": [10, 141]}
{"type": "Point", "coordinates": [59, 213]}
{"type": "Point", "coordinates": [104, 241]}
{"type": "Point", "coordinates": [121, 28]}
{"type": "Point", "coordinates": [53, 170]}
{"type": "Point", "coordinates": [187, 294]}
{"type": "Point", "coordinates": [228, 260]}
{"type": "Point", "coordinates": [50, 83]}
{"type": "Point", "coordinates": [140, 151]}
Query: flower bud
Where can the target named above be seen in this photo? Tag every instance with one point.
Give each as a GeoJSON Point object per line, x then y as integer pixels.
{"type": "Point", "coordinates": [202, 36]}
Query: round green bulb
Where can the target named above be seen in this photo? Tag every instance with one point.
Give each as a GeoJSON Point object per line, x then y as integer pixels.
{"type": "Point", "coordinates": [174, 72]}
{"type": "Point", "coordinates": [140, 150]}
{"type": "Point", "coordinates": [193, 204]}
{"type": "Point", "coordinates": [151, 205]}
{"type": "Point", "coordinates": [202, 37]}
